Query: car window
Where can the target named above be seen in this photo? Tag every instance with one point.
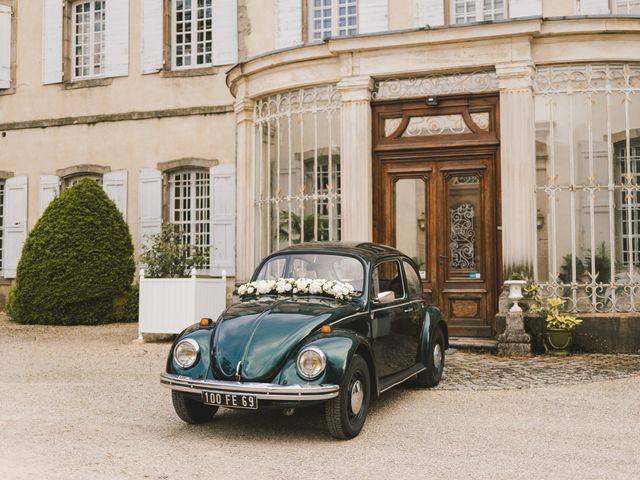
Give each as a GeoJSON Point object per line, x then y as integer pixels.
{"type": "Point", "coordinates": [386, 278]}
{"type": "Point", "coordinates": [414, 284]}
{"type": "Point", "coordinates": [273, 269]}
{"type": "Point", "coordinates": [315, 265]}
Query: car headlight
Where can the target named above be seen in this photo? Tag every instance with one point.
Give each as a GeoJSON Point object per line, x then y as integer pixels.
{"type": "Point", "coordinates": [186, 353]}
{"type": "Point", "coordinates": [311, 362]}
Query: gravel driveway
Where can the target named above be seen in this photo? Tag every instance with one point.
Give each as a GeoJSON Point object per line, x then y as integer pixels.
{"type": "Point", "coordinates": [85, 402]}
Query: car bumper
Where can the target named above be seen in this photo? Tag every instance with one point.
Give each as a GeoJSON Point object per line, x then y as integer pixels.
{"type": "Point", "coordinates": [262, 391]}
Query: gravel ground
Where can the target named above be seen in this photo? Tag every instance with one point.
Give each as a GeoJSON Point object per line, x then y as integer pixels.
{"type": "Point", "coordinates": [85, 402]}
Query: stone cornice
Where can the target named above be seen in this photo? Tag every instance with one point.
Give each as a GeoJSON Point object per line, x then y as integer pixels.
{"type": "Point", "coordinates": [117, 117]}
{"type": "Point", "coordinates": [528, 29]}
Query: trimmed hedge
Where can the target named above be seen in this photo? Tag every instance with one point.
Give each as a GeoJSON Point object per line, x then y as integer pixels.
{"type": "Point", "coordinates": [77, 263]}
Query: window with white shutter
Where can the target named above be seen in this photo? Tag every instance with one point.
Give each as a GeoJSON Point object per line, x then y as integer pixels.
{"type": "Point", "coordinates": [5, 46]}
{"type": "Point", "coordinates": [593, 7]}
{"type": "Point", "coordinates": [525, 8]}
{"type": "Point", "coordinates": [223, 220]}
{"type": "Point", "coordinates": [288, 23]}
{"type": "Point", "coordinates": [88, 24]}
{"type": "Point", "coordinates": [49, 189]}
{"type": "Point", "coordinates": [52, 41]}
{"type": "Point", "coordinates": [332, 18]}
{"type": "Point", "coordinates": [192, 33]}
{"type": "Point", "coordinates": [428, 12]}
{"type": "Point", "coordinates": [465, 11]}
{"type": "Point", "coordinates": [1, 220]}
{"type": "Point", "coordinates": [115, 186]}
{"type": "Point", "coordinates": [627, 7]}
{"type": "Point", "coordinates": [152, 35]}
{"type": "Point", "coordinates": [189, 207]}
{"type": "Point", "coordinates": [14, 223]}
{"type": "Point", "coordinates": [149, 204]}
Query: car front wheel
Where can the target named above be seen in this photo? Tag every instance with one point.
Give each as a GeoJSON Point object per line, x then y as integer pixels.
{"type": "Point", "coordinates": [435, 362]}
{"type": "Point", "coordinates": [190, 410]}
{"type": "Point", "coordinates": [346, 413]}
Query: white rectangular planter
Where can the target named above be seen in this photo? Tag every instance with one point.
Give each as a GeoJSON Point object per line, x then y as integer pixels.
{"type": "Point", "coordinates": [169, 305]}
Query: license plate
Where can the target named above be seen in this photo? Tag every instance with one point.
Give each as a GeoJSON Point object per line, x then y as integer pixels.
{"type": "Point", "coordinates": [231, 400]}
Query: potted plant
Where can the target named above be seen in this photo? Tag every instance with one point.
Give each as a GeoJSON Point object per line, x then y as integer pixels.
{"type": "Point", "coordinates": [172, 293]}
{"type": "Point", "coordinates": [515, 284]}
{"type": "Point", "coordinates": [559, 326]}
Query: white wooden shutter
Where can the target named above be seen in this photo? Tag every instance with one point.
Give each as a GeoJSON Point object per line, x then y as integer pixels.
{"type": "Point", "coordinates": [428, 12]}
{"type": "Point", "coordinates": [223, 219]}
{"type": "Point", "coordinates": [525, 8]}
{"type": "Point", "coordinates": [51, 41]}
{"type": "Point", "coordinates": [151, 52]}
{"type": "Point", "coordinates": [115, 186]}
{"type": "Point", "coordinates": [116, 42]}
{"type": "Point", "coordinates": [225, 32]}
{"type": "Point", "coordinates": [49, 189]}
{"type": "Point", "coordinates": [15, 223]}
{"type": "Point", "coordinates": [288, 23]}
{"type": "Point", "coordinates": [594, 7]}
{"type": "Point", "coordinates": [149, 203]}
{"type": "Point", "coordinates": [5, 46]}
{"type": "Point", "coordinates": [373, 16]}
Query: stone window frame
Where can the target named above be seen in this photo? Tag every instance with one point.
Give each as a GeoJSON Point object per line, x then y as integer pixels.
{"type": "Point", "coordinates": [167, 47]}
{"type": "Point", "coordinates": [13, 4]}
{"type": "Point", "coordinates": [70, 82]}
{"type": "Point", "coordinates": [69, 174]}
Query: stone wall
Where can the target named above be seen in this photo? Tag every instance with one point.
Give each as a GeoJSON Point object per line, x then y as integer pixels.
{"type": "Point", "coordinates": [597, 334]}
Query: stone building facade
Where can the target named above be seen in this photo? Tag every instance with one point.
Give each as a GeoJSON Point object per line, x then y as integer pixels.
{"type": "Point", "coordinates": [482, 138]}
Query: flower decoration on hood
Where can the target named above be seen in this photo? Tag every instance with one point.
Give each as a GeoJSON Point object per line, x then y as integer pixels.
{"type": "Point", "coordinates": [297, 286]}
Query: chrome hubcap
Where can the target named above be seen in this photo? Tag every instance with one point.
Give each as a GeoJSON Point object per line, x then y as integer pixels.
{"type": "Point", "coordinates": [437, 356]}
{"type": "Point", "coordinates": [357, 397]}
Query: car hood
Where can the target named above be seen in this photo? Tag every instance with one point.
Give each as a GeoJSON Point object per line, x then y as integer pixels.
{"type": "Point", "coordinates": [262, 333]}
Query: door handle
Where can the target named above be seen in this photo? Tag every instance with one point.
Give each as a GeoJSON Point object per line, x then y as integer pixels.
{"type": "Point", "coordinates": [408, 309]}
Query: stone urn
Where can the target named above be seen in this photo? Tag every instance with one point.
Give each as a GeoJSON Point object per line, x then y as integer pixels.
{"type": "Point", "coordinates": [515, 293]}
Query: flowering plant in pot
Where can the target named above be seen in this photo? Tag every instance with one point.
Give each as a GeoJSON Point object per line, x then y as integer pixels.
{"type": "Point", "coordinates": [559, 325]}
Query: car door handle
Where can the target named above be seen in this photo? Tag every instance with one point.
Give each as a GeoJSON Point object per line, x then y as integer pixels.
{"type": "Point", "coordinates": [407, 310]}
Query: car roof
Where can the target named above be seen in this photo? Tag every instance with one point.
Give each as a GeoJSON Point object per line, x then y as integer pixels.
{"type": "Point", "coordinates": [367, 251]}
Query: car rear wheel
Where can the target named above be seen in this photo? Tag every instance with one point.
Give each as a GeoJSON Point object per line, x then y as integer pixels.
{"type": "Point", "coordinates": [346, 413]}
{"type": "Point", "coordinates": [435, 362]}
{"type": "Point", "coordinates": [190, 410]}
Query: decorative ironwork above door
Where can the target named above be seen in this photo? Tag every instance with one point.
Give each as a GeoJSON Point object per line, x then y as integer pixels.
{"type": "Point", "coordinates": [455, 120]}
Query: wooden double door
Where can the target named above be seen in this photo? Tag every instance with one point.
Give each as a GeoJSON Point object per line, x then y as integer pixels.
{"type": "Point", "coordinates": [440, 206]}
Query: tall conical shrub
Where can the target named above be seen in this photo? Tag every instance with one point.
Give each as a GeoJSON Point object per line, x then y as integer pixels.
{"type": "Point", "coordinates": [77, 263]}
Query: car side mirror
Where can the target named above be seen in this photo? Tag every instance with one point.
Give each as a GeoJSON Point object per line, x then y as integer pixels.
{"type": "Point", "coordinates": [386, 297]}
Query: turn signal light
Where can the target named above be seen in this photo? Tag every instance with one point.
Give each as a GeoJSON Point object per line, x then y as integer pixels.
{"type": "Point", "coordinates": [326, 329]}
{"type": "Point", "coordinates": [205, 322]}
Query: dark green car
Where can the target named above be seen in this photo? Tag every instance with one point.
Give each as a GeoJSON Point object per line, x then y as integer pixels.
{"type": "Point", "coordinates": [331, 323]}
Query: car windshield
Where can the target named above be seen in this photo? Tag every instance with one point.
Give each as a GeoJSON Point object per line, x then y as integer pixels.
{"type": "Point", "coordinates": [315, 265]}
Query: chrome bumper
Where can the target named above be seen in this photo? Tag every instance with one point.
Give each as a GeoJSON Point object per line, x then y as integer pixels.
{"type": "Point", "coordinates": [262, 391]}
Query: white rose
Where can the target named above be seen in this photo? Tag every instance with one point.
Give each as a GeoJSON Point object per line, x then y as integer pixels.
{"type": "Point", "coordinates": [287, 287]}
{"type": "Point", "coordinates": [250, 290]}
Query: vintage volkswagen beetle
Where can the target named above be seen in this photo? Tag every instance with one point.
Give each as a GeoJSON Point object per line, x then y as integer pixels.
{"type": "Point", "coordinates": [294, 340]}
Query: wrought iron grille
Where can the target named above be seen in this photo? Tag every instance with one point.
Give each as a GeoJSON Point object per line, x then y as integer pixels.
{"type": "Point", "coordinates": [588, 190]}
{"type": "Point", "coordinates": [297, 167]}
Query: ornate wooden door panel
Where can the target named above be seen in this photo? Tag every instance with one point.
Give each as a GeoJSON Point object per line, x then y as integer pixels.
{"type": "Point", "coordinates": [436, 199]}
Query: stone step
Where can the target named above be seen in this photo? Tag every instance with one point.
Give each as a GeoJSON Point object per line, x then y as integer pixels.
{"type": "Point", "coordinates": [474, 344]}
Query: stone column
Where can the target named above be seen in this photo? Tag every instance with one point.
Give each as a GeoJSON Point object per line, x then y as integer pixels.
{"type": "Point", "coordinates": [355, 158]}
{"type": "Point", "coordinates": [518, 167]}
{"type": "Point", "coordinates": [245, 190]}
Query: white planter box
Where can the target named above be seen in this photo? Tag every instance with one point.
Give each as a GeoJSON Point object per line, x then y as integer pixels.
{"type": "Point", "coordinates": [169, 305]}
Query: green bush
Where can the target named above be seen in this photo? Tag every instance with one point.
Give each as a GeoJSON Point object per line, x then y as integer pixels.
{"type": "Point", "coordinates": [166, 255]}
{"type": "Point", "coordinates": [127, 305]}
{"type": "Point", "coordinates": [76, 262]}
